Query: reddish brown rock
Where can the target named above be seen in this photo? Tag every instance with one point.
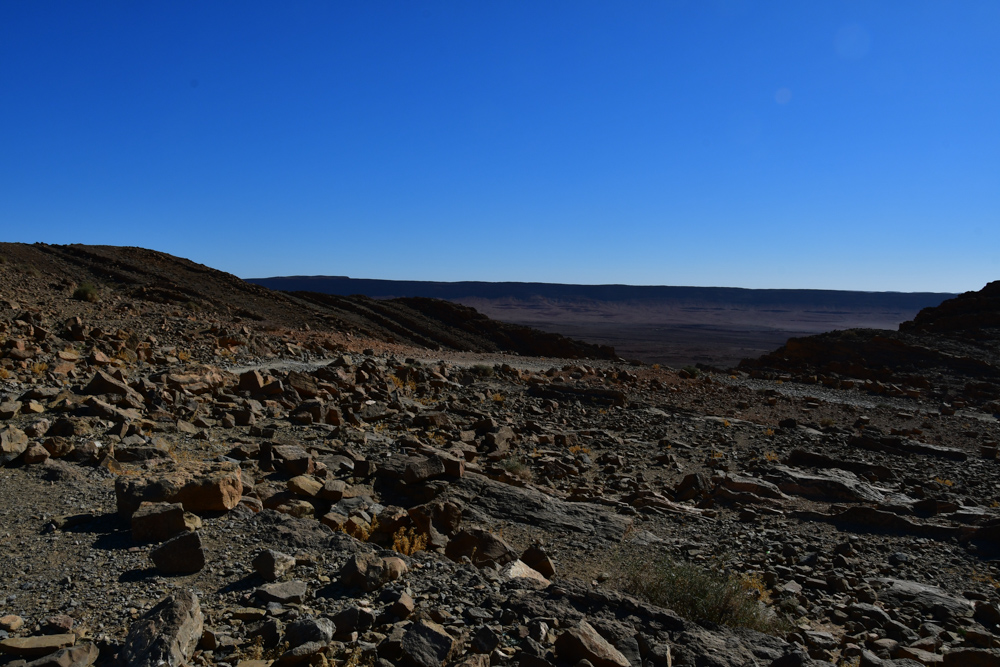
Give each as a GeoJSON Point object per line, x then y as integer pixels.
{"type": "Point", "coordinates": [199, 487]}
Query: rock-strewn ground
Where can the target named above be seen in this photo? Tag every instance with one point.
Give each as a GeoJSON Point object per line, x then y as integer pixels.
{"type": "Point", "coordinates": [192, 486]}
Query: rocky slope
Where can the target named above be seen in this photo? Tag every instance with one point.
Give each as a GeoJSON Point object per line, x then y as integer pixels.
{"type": "Point", "coordinates": [949, 353]}
{"type": "Point", "coordinates": [202, 487]}
{"type": "Point", "coordinates": [135, 282]}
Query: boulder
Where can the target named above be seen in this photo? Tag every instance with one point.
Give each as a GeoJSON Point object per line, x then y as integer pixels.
{"type": "Point", "coordinates": [481, 547]}
{"type": "Point", "coordinates": [13, 442]}
{"type": "Point", "coordinates": [166, 635]}
{"type": "Point", "coordinates": [182, 554]}
{"type": "Point", "coordinates": [158, 522]}
{"type": "Point", "coordinates": [584, 643]}
{"type": "Point", "coordinates": [425, 644]}
{"type": "Point", "coordinates": [199, 487]}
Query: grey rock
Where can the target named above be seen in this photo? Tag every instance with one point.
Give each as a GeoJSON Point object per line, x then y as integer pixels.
{"type": "Point", "coordinates": [182, 554]}
{"type": "Point", "coordinates": [272, 564]}
{"type": "Point", "coordinates": [166, 635]}
{"type": "Point", "coordinates": [425, 644]}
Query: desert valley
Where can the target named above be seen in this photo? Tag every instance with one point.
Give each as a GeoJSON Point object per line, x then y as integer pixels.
{"type": "Point", "coordinates": [198, 470]}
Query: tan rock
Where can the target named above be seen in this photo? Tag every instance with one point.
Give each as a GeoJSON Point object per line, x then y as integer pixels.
{"type": "Point", "coordinates": [36, 646]}
{"type": "Point", "coordinates": [11, 623]}
{"type": "Point", "coordinates": [198, 486]}
{"type": "Point", "coordinates": [519, 570]}
{"type": "Point", "coordinates": [305, 485]}
{"type": "Point", "coordinates": [13, 442]}
{"type": "Point", "coordinates": [35, 454]}
{"type": "Point", "coordinates": [584, 643]}
{"type": "Point", "coordinates": [158, 522]}
{"type": "Point", "coordinates": [81, 655]}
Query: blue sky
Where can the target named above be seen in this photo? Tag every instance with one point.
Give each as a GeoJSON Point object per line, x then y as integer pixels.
{"type": "Point", "coordinates": [840, 145]}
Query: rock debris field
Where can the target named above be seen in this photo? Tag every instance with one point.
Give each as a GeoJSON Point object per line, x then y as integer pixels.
{"type": "Point", "coordinates": [198, 487]}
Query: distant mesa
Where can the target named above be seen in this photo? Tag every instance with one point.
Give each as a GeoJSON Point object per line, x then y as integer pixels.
{"type": "Point", "coordinates": [670, 325]}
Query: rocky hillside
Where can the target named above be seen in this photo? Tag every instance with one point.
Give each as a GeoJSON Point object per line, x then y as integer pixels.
{"type": "Point", "coordinates": [196, 486]}
{"type": "Point", "coordinates": [130, 282]}
{"type": "Point", "coordinates": [949, 353]}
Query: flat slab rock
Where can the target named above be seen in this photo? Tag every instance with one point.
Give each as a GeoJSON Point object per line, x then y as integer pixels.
{"type": "Point", "coordinates": [836, 484]}
{"type": "Point", "coordinates": [534, 508]}
{"type": "Point", "coordinates": [925, 596]}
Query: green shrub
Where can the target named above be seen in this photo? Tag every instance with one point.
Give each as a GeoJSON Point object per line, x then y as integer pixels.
{"type": "Point", "coordinates": [87, 292]}
{"type": "Point", "coordinates": [698, 593]}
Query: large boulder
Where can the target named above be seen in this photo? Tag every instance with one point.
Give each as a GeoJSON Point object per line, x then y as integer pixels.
{"type": "Point", "coordinates": [166, 635]}
{"type": "Point", "coordinates": [199, 487]}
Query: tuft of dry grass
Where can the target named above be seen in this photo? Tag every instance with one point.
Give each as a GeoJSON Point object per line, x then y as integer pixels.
{"type": "Point", "coordinates": [698, 593]}
{"type": "Point", "coordinates": [87, 291]}
{"type": "Point", "coordinates": [408, 541]}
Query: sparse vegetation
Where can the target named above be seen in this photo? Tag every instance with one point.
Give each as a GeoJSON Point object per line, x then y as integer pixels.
{"type": "Point", "coordinates": [517, 467]}
{"type": "Point", "coordinates": [692, 371]}
{"type": "Point", "coordinates": [698, 593]}
{"type": "Point", "coordinates": [87, 291]}
{"type": "Point", "coordinates": [408, 541]}
{"type": "Point", "coordinates": [482, 371]}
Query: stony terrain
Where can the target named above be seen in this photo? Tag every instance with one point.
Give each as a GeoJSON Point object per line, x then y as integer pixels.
{"type": "Point", "coordinates": [201, 486]}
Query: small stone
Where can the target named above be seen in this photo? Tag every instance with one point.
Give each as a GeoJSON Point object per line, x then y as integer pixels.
{"type": "Point", "coordinates": [272, 564]}
{"type": "Point", "coordinates": [11, 623]}
{"type": "Point", "coordinates": [286, 592]}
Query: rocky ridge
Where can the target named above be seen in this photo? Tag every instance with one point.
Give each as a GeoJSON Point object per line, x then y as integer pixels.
{"type": "Point", "coordinates": [949, 353]}
{"type": "Point", "coordinates": [364, 503]}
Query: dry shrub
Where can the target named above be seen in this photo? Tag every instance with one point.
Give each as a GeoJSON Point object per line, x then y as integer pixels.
{"type": "Point", "coordinates": [408, 541]}
{"type": "Point", "coordinates": [698, 593]}
{"type": "Point", "coordinates": [517, 467]}
{"type": "Point", "coordinates": [87, 291]}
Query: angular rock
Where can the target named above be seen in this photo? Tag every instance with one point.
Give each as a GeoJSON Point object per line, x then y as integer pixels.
{"type": "Point", "coordinates": [158, 522]}
{"type": "Point", "coordinates": [199, 487]}
{"type": "Point", "coordinates": [271, 564]}
{"type": "Point", "coordinates": [972, 657]}
{"type": "Point", "coordinates": [81, 655]}
{"type": "Point", "coordinates": [286, 592]}
{"type": "Point", "coordinates": [367, 572]}
{"type": "Point", "coordinates": [13, 442]}
{"type": "Point", "coordinates": [33, 647]}
{"type": "Point", "coordinates": [518, 570]}
{"type": "Point", "coordinates": [166, 635]}
{"type": "Point", "coordinates": [182, 554]}
{"type": "Point", "coordinates": [830, 484]}
{"type": "Point", "coordinates": [305, 485]}
{"type": "Point", "coordinates": [307, 629]}
{"type": "Point", "coordinates": [425, 644]}
{"type": "Point", "coordinates": [481, 547]}
{"type": "Point", "coordinates": [584, 643]}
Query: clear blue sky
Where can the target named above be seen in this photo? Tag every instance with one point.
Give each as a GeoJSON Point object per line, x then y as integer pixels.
{"type": "Point", "coordinates": [842, 145]}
